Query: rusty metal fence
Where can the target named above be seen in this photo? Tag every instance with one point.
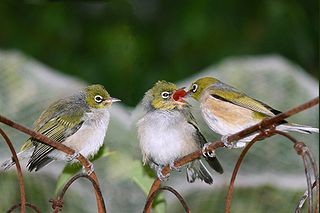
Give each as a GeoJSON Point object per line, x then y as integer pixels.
{"type": "Point", "coordinates": [266, 129]}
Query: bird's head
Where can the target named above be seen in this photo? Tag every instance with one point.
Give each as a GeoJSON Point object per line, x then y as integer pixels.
{"type": "Point", "coordinates": [98, 97]}
{"type": "Point", "coordinates": [162, 96]}
{"type": "Point", "coordinates": [196, 89]}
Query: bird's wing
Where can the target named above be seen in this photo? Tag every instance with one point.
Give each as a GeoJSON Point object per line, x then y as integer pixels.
{"type": "Point", "coordinates": [230, 94]}
{"type": "Point", "coordinates": [58, 129]}
{"type": "Point", "coordinates": [197, 134]}
{"type": "Point", "coordinates": [212, 161]}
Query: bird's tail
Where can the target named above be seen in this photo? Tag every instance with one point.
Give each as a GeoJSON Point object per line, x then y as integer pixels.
{"type": "Point", "coordinates": [214, 164]}
{"type": "Point", "coordinates": [7, 164]}
{"type": "Point", "coordinates": [196, 169]}
{"type": "Point", "coordinates": [291, 127]}
{"type": "Point", "coordinates": [21, 155]}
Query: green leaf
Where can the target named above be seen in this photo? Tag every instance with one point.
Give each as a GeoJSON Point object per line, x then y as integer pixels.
{"type": "Point", "coordinates": [71, 169]}
{"type": "Point", "coordinates": [143, 177]}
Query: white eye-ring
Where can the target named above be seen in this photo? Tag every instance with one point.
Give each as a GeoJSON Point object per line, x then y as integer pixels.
{"type": "Point", "coordinates": [165, 95]}
{"type": "Point", "coordinates": [194, 88]}
{"type": "Point", "coordinates": [98, 99]}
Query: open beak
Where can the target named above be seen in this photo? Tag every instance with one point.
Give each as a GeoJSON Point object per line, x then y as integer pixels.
{"type": "Point", "coordinates": [111, 100]}
{"type": "Point", "coordinates": [178, 95]}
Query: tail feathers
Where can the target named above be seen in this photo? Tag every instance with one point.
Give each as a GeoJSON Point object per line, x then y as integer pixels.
{"type": "Point", "coordinates": [21, 155]}
{"type": "Point", "coordinates": [37, 165]}
{"type": "Point", "coordinates": [7, 164]}
{"type": "Point", "coordinates": [215, 164]}
{"type": "Point", "coordinates": [197, 170]}
{"type": "Point", "coordinates": [297, 128]}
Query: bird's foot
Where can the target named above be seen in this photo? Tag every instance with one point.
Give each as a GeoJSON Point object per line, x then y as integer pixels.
{"type": "Point", "coordinates": [229, 145]}
{"type": "Point", "coordinates": [91, 169]}
{"type": "Point", "coordinates": [73, 156]}
{"type": "Point", "coordinates": [173, 167]}
{"type": "Point", "coordinates": [161, 176]}
{"type": "Point", "coordinates": [206, 153]}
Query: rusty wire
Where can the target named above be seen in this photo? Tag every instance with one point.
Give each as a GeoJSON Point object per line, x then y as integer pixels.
{"type": "Point", "coordinates": [57, 203]}
{"type": "Point", "coordinates": [170, 189]}
{"type": "Point", "coordinates": [236, 169]}
{"type": "Point", "coordinates": [267, 129]}
{"type": "Point", "coordinates": [306, 156]}
{"type": "Point", "coordinates": [304, 198]}
{"type": "Point", "coordinates": [59, 146]}
{"type": "Point", "coordinates": [20, 177]}
{"type": "Point", "coordinates": [31, 206]}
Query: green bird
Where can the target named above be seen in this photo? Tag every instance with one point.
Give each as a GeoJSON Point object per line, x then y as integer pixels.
{"type": "Point", "coordinates": [227, 110]}
{"type": "Point", "coordinates": [79, 122]}
{"type": "Point", "coordinates": [168, 131]}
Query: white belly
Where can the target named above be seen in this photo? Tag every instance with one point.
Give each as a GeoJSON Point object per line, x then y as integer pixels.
{"type": "Point", "coordinates": [164, 138]}
{"type": "Point", "coordinates": [89, 138]}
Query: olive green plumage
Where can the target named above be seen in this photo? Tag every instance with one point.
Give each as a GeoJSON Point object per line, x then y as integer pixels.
{"type": "Point", "coordinates": [69, 120]}
{"type": "Point", "coordinates": [168, 131]}
{"type": "Point", "coordinates": [227, 110]}
{"type": "Point", "coordinates": [160, 96]}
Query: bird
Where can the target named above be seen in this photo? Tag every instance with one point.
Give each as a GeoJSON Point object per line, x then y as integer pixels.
{"type": "Point", "coordinates": [227, 110]}
{"type": "Point", "coordinates": [168, 131]}
{"type": "Point", "coordinates": [79, 121]}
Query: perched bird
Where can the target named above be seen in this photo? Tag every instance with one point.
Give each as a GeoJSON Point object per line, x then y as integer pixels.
{"type": "Point", "coordinates": [227, 110]}
{"type": "Point", "coordinates": [79, 122]}
{"type": "Point", "coordinates": [168, 132]}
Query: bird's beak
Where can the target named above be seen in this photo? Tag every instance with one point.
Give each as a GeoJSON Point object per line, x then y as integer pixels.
{"type": "Point", "coordinates": [189, 92]}
{"type": "Point", "coordinates": [115, 100]}
{"type": "Point", "coordinates": [111, 100]}
{"type": "Point", "coordinates": [178, 95]}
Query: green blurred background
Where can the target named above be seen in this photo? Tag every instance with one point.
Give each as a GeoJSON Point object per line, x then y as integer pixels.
{"type": "Point", "coordinates": [128, 45]}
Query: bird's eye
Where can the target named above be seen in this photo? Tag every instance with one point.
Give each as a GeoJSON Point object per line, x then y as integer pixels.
{"type": "Point", "coordinates": [165, 95]}
{"type": "Point", "coordinates": [98, 98]}
{"type": "Point", "coordinates": [194, 88]}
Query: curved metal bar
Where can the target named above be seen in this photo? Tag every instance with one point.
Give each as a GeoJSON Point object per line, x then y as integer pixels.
{"type": "Point", "coordinates": [16, 160]}
{"type": "Point", "coordinates": [31, 206]}
{"type": "Point", "coordinates": [150, 199]}
{"type": "Point", "coordinates": [236, 169]}
{"type": "Point", "coordinates": [58, 202]}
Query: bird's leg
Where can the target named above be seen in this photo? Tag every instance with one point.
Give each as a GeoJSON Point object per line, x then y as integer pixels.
{"type": "Point", "coordinates": [91, 169]}
{"type": "Point", "coordinates": [173, 167]}
{"type": "Point", "coordinates": [70, 158]}
{"type": "Point", "coordinates": [206, 153]}
{"type": "Point", "coordinates": [160, 175]}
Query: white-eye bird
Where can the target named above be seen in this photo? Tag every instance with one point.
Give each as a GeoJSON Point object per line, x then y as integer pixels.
{"type": "Point", "coordinates": [79, 122]}
{"type": "Point", "coordinates": [227, 110]}
{"type": "Point", "coordinates": [168, 132]}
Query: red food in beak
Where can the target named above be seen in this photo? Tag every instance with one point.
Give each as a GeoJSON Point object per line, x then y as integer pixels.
{"type": "Point", "coordinates": [180, 93]}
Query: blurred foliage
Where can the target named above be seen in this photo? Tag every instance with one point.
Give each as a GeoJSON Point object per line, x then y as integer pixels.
{"type": "Point", "coordinates": [39, 189]}
{"type": "Point", "coordinates": [265, 199]}
{"type": "Point", "coordinates": [72, 169]}
{"type": "Point", "coordinates": [128, 45]}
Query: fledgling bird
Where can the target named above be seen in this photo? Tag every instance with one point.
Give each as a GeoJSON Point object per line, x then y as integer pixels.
{"type": "Point", "coordinates": [227, 110]}
{"type": "Point", "coordinates": [79, 122]}
{"type": "Point", "coordinates": [168, 132]}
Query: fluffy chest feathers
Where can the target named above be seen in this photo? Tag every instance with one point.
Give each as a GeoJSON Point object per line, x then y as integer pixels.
{"type": "Point", "coordinates": [165, 136]}
{"type": "Point", "coordinates": [89, 138]}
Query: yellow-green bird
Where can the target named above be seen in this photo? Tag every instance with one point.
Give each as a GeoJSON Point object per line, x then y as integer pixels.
{"type": "Point", "coordinates": [168, 132]}
{"type": "Point", "coordinates": [79, 122]}
{"type": "Point", "coordinates": [227, 110]}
